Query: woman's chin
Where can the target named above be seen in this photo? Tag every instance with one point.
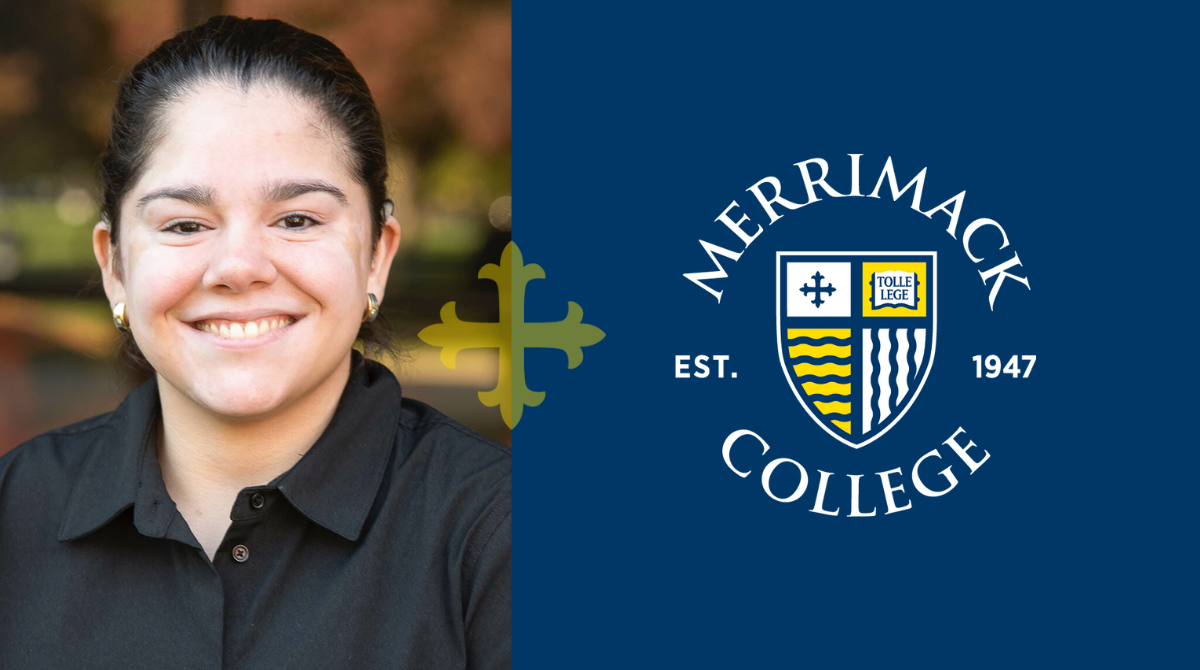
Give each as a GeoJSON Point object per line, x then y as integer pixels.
{"type": "Point", "coordinates": [242, 405]}
{"type": "Point", "coordinates": [240, 398]}
{"type": "Point", "coordinates": [246, 388]}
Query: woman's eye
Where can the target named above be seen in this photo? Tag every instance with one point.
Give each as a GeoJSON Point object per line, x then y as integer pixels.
{"type": "Point", "coordinates": [184, 227]}
{"type": "Point", "coordinates": [297, 222]}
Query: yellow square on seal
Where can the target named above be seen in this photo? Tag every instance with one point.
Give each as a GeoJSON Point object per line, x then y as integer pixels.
{"type": "Point", "coordinates": [894, 289]}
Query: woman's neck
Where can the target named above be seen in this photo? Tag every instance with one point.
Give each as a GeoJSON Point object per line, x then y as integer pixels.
{"type": "Point", "coordinates": [207, 458]}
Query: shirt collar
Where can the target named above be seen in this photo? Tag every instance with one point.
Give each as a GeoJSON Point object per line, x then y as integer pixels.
{"type": "Point", "coordinates": [334, 484]}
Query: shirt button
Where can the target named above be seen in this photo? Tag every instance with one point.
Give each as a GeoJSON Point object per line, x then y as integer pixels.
{"type": "Point", "coordinates": [257, 501]}
{"type": "Point", "coordinates": [241, 553]}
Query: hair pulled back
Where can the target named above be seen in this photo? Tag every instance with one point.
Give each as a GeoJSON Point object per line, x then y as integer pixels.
{"type": "Point", "coordinates": [241, 52]}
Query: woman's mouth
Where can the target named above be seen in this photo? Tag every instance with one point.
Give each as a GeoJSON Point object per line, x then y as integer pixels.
{"type": "Point", "coordinates": [240, 330]}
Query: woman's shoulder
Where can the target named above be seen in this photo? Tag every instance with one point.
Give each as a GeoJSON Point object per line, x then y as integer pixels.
{"type": "Point", "coordinates": [428, 432]}
{"type": "Point", "coordinates": [458, 471]}
{"type": "Point", "coordinates": [38, 477]}
{"type": "Point", "coordinates": [449, 461]}
{"type": "Point", "coordinates": [67, 448]}
{"type": "Point", "coordinates": [423, 433]}
{"type": "Point", "coordinates": [61, 448]}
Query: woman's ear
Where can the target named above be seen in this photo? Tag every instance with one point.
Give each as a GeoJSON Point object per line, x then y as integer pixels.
{"type": "Point", "coordinates": [385, 251]}
{"type": "Point", "coordinates": [105, 255]}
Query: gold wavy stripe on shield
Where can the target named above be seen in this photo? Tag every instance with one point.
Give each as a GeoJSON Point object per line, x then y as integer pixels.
{"type": "Point", "coordinates": [817, 333]}
{"type": "Point", "coordinates": [833, 407]}
{"type": "Point", "coordinates": [819, 351]}
{"type": "Point", "coordinates": [824, 370]}
{"type": "Point", "coordinates": [844, 425]}
{"type": "Point", "coordinates": [828, 388]}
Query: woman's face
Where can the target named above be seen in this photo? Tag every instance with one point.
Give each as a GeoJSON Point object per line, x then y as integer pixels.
{"type": "Point", "coordinates": [245, 251]}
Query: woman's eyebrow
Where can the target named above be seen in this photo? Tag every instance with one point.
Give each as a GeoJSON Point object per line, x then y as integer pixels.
{"type": "Point", "coordinates": [281, 191]}
{"type": "Point", "coordinates": [196, 195]}
{"type": "Point", "coordinates": [203, 196]}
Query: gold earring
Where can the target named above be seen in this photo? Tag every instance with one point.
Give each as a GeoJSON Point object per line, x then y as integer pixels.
{"type": "Point", "coordinates": [372, 308]}
{"type": "Point", "coordinates": [119, 317]}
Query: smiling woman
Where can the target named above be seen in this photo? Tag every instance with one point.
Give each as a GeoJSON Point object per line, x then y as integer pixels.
{"type": "Point", "coordinates": [267, 498]}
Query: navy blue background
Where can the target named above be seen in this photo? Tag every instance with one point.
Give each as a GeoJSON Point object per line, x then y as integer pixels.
{"type": "Point", "coordinates": [638, 547]}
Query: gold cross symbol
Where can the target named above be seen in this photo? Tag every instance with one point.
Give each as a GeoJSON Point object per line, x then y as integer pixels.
{"type": "Point", "coordinates": [512, 335]}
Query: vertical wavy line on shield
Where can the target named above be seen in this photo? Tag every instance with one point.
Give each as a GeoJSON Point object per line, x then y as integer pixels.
{"type": "Point", "coordinates": [885, 374]}
{"type": "Point", "coordinates": [901, 365]}
{"type": "Point", "coordinates": [867, 414]}
{"type": "Point", "coordinates": [920, 335]}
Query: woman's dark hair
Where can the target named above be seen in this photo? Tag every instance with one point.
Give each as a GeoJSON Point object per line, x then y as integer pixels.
{"type": "Point", "coordinates": [243, 52]}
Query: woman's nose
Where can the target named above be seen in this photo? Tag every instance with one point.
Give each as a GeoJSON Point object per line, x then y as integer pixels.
{"type": "Point", "coordinates": [239, 259]}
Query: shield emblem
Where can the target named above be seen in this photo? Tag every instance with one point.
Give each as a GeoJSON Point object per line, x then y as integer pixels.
{"type": "Point", "coordinates": [856, 334]}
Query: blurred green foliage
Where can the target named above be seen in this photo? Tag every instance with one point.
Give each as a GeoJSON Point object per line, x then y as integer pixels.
{"type": "Point", "coordinates": [44, 241]}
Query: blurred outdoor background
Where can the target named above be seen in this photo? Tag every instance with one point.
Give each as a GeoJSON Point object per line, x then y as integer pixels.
{"type": "Point", "coordinates": [440, 71]}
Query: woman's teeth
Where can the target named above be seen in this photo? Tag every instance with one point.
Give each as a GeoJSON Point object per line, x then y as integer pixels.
{"type": "Point", "coordinates": [236, 330]}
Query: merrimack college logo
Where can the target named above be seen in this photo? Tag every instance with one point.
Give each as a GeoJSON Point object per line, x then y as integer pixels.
{"type": "Point", "coordinates": [856, 333]}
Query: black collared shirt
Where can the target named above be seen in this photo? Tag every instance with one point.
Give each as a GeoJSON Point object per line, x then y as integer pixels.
{"type": "Point", "coordinates": [387, 545]}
